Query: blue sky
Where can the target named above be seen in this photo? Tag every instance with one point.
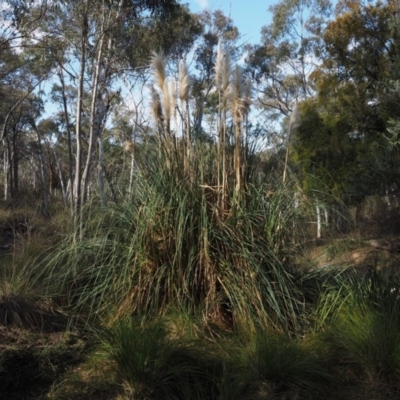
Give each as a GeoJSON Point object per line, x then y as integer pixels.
{"type": "Point", "coordinates": [248, 15]}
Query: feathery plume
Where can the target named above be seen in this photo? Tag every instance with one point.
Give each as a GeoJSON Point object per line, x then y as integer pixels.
{"type": "Point", "coordinates": [128, 146]}
{"type": "Point", "coordinates": [156, 105]}
{"type": "Point", "coordinates": [218, 66]}
{"type": "Point", "coordinates": [226, 71]}
{"type": "Point", "coordinates": [172, 92]}
{"type": "Point", "coordinates": [166, 100]}
{"type": "Point", "coordinates": [184, 81]}
{"type": "Point", "coordinates": [294, 119]}
{"type": "Point", "coordinates": [237, 93]}
{"type": "Point", "coordinates": [225, 78]}
{"type": "Point", "coordinates": [158, 65]}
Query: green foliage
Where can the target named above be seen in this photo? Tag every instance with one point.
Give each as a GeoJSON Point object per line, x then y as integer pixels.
{"type": "Point", "coordinates": [167, 246]}
{"type": "Point", "coordinates": [343, 131]}
{"type": "Point", "coordinates": [264, 365]}
{"type": "Point", "coordinates": [281, 368]}
{"type": "Point", "coordinates": [364, 336]}
{"type": "Point", "coordinates": [154, 366]}
{"type": "Point", "coordinates": [171, 28]}
{"type": "Point", "coordinates": [324, 151]}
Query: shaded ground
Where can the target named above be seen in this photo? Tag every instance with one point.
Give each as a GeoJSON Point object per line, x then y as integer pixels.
{"type": "Point", "coordinates": [35, 347]}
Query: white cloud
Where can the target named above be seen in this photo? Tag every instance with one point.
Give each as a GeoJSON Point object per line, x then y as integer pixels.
{"type": "Point", "coordinates": [202, 3]}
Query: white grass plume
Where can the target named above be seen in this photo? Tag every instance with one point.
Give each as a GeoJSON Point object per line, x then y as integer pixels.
{"type": "Point", "coordinates": [172, 93]}
{"type": "Point", "coordinates": [218, 66]}
{"type": "Point", "coordinates": [167, 100]}
{"type": "Point", "coordinates": [225, 78]}
{"type": "Point", "coordinates": [236, 95]}
{"type": "Point", "coordinates": [184, 81]}
{"type": "Point", "coordinates": [226, 71]}
{"type": "Point", "coordinates": [294, 122]}
{"type": "Point", "coordinates": [158, 66]}
{"type": "Point", "coordinates": [156, 105]}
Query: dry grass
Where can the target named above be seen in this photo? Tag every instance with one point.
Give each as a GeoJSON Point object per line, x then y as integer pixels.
{"type": "Point", "coordinates": [95, 379]}
{"type": "Point", "coordinates": [17, 311]}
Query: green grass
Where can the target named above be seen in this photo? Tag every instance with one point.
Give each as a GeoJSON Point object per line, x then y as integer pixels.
{"type": "Point", "coordinates": [166, 245]}
{"type": "Point", "coordinates": [362, 341]}
{"type": "Point", "coordinates": [280, 367]}
{"type": "Point", "coordinates": [154, 366]}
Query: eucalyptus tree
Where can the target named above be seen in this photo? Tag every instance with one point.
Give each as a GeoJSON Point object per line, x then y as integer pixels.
{"type": "Point", "coordinates": [342, 142]}
{"type": "Point", "coordinates": [17, 93]}
{"type": "Point", "coordinates": [97, 43]}
{"type": "Point", "coordinates": [285, 60]}
{"type": "Point", "coordinates": [65, 95]}
{"type": "Point", "coordinates": [283, 64]}
{"type": "Point", "coordinates": [24, 66]}
{"type": "Point", "coordinates": [290, 49]}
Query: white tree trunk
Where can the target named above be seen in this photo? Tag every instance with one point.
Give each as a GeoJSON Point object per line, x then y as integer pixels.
{"type": "Point", "coordinates": [318, 222]}
{"type": "Point", "coordinates": [94, 118]}
{"type": "Point", "coordinates": [101, 172]}
{"type": "Point", "coordinates": [6, 169]}
{"type": "Point", "coordinates": [78, 127]}
{"type": "Point", "coordinates": [60, 176]}
{"type": "Point", "coordinates": [43, 175]}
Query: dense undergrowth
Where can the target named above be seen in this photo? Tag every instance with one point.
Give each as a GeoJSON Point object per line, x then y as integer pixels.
{"type": "Point", "coordinates": [166, 246]}
{"type": "Point", "coordinates": [193, 284]}
{"type": "Point", "coordinates": [157, 297]}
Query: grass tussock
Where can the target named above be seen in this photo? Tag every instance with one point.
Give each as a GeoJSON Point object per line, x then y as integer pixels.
{"type": "Point", "coordinates": [199, 227]}
{"type": "Point", "coordinates": [364, 336]}
{"type": "Point", "coordinates": [280, 367]}
{"type": "Point", "coordinates": [167, 246]}
{"type": "Point", "coordinates": [153, 366]}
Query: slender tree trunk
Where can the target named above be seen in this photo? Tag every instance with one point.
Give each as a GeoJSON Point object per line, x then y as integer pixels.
{"type": "Point", "coordinates": [131, 175]}
{"type": "Point", "coordinates": [326, 213]}
{"type": "Point", "coordinates": [6, 168]}
{"type": "Point", "coordinates": [78, 127]}
{"type": "Point", "coordinates": [43, 175]}
{"type": "Point", "coordinates": [66, 116]}
{"type": "Point", "coordinates": [318, 210]}
{"type": "Point", "coordinates": [101, 171]}
{"type": "Point", "coordinates": [15, 164]}
{"type": "Point", "coordinates": [33, 179]}
{"type": "Point", "coordinates": [10, 169]}
{"type": "Point", "coordinates": [101, 78]}
{"type": "Point", "coordinates": [3, 134]}
{"type": "Point", "coordinates": [94, 119]}
{"type": "Point", "coordinates": [61, 178]}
